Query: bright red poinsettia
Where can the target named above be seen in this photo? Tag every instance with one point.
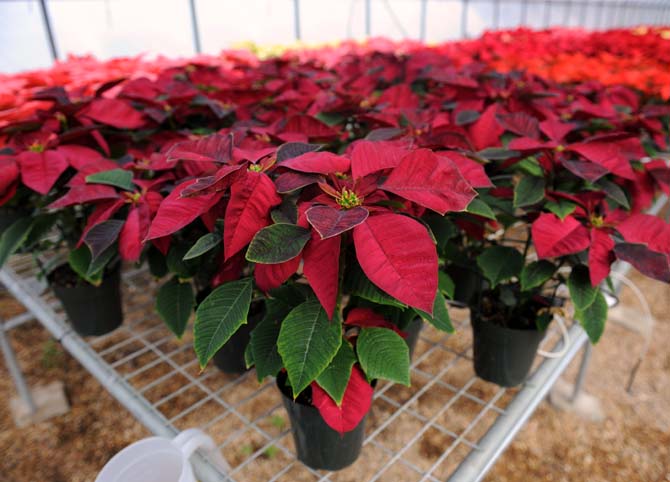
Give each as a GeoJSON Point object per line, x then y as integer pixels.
{"type": "Point", "coordinates": [373, 193]}
{"type": "Point", "coordinates": [141, 198]}
{"type": "Point", "coordinates": [602, 154]}
{"type": "Point", "coordinates": [592, 226]}
{"type": "Point", "coordinates": [41, 163]}
{"type": "Point", "coordinates": [241, 177]}
{"type": "Point", "coordinates": [355, 404]}
{"type": "Point", "coordinates": [9, 178]}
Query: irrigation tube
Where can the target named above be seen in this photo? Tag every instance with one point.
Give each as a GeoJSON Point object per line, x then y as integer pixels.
{"type": "Point", "coordinates": [89, 359]}
{"type": "Point", "coordinates": [517, 413]}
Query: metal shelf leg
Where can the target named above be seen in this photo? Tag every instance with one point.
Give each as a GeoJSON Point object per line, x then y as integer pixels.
{"type": "Point", "coordinates": [15, 371]}
{"type": "Point", "coordinates": [581, 374]}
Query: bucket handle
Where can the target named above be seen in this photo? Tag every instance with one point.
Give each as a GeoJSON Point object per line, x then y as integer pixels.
{"type": "Point", "coordinates": [566, 341]}
{"type": "Point", "coordinates": [193, 439]}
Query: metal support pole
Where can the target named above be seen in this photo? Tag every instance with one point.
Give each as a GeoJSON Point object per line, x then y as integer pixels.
{"type": "Point", "coordinates": [422, 21]}
{"type": "Point", "coordinates": [524, 12]}
{"type": "Point", "coordinates": [643, 16]}
{"type": "Point", "coordinates": [621, 13]}
{"type": "Point", "coordinates": [658, 15]}
{"type": "Point", "coordinates": [566, 13]}
{"type": "Point", "coordinates": [368, 19]}
{"type": "Point", "coordinates": [48, 29]}
{"type": "Point", "coordinates": [15, 370]}
{"type": "Point", "coordinates": [547, 14]}
{"type": "Point", "coordinates": [194, 27]}
{"type": "Point", "coordinates": [582, 13]}
{"type": "Point", "coordinates": [614, 14]}
{"type": "Point", "coordinates": [464, 18]}
{"type": "Point", "coordinates": [598, 23]}
{"type": "Point", "coordinates": [581, 374]}
{"type": "Point", "coordinates": [296, 19]}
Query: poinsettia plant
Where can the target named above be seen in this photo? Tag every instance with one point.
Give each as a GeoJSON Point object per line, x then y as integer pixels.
{"type": "Point", "coordinates": [337, 245]}
{"type": "Point", "coordinates": [577, 176]}
{"type": "Point", "coordinates": [95, 233]}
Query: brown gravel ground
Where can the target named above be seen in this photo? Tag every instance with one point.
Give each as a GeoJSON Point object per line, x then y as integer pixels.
{"type": "Point", "coordinates": [632, 444]}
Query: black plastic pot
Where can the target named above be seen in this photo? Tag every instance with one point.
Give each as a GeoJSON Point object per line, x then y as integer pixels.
{"type": "Point", "coordinates": [503, 355]}
{"type": "Point", "coordinates": [92, 310]}
{"type": "Point", "coordinates": [466, 283]}
{"type": "Point", "coordinates": [230, 358]}
{"type": "Point", "coordinates": [413, 329]}
{"type": "Point", "coordinates": [9, 216]}
{"type": "Point", "coordinates": [319, 446]}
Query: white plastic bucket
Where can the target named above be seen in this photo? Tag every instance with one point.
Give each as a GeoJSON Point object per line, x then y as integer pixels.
{"type": "Point", "coordinates": [158, 459]}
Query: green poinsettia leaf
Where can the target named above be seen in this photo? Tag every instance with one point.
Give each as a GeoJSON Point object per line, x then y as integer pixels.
{"type": "Point", "coordinates": [593, 317]}
{"type": "Point", "coordinates": [120, 178]}
{"type": "Point", "coordinates": [263, 347]}
{"type": "Point", "coordinates": [529, 191]}
{"type": "Point", "coordinates": [307, 343]}
{"type": "Point", "coordinates": [277, 243]}
{"type": "Point", "coordinates": [13, 237]}
{"type": "Point", "coordinates": [383, 354]}
{"type": "Point", "coordinates": [359, 285]}
{"type": "Point", "coordinates": [480, 208]}
{"type": "Point", "coordinates": [249, 356]}
{"type": "Point", "coordinates": [561, 208]}
{"type": "Point", "coordinates": [204, 244]}
{"type": "Point", "coordinates": [219, 316]}
{"type": "Point", "coordinates": [440, 319]}
{"type": "Point", "coordinates": [79, 260]}
{"type": "Point", "coordinates": [335, 378]}
{"type": "Point", "coordinates": [500, 263]}
{"type": "Point", "coordinates": [445, 284]}
{"type": "Point", "coordinates": [614, 192]}
{"type": "Point", "coordinates": [581, 291]}
{"type": "Point", "coordinates": [536, 273]}
{"type": "Point", "coordinates": [174, 304]}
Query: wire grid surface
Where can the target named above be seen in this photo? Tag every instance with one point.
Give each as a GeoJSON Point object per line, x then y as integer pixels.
{"type": "Point", "coordinates": [422, 432]}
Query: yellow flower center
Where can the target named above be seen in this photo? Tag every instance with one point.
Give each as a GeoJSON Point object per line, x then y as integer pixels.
{"type": "Point", "coordinates": [36, 147]}
{"type": "Point", "coordinates": [132, 197]}
{"type": "Point", "coordinates": [560, 148]}
{"type": "Point", "coordinates": [255, 167]}
{"type": "Point", "coordinates": [597, 221]}
{"type": "Point", "coordinates": [348, 199]}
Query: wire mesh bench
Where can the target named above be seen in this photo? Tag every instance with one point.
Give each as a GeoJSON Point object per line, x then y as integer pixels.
{"type": "Point", "coordinates": [449, 425]}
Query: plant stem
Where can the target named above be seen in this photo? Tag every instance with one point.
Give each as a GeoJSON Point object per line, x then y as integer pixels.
{"type": "Point", "coordinates": [527, 246]}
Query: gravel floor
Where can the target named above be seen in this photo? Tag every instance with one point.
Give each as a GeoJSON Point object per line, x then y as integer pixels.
{"type": "Point", "coordinates": [632, 444]}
